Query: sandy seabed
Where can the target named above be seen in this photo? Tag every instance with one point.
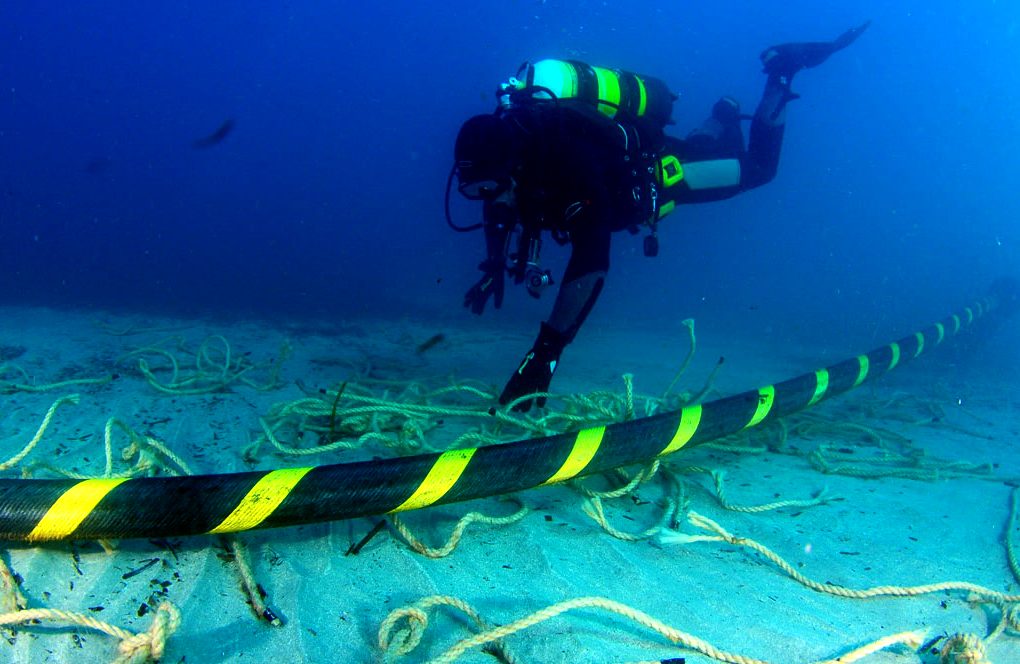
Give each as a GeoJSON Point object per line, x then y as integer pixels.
{"type": "Point", "coordinates": [874, 531]}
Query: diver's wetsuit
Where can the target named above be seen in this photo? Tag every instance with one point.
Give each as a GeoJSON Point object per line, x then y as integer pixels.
{"type": "Point", "coordinates": [574, 182]}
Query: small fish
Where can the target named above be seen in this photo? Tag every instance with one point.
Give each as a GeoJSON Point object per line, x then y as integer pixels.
{"type": "Point", "coordinates": [430, 342]}
{"type": "Point", "coordinates": [216, 137]}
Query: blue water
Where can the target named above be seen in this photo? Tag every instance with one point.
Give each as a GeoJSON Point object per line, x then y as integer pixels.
{"type": "Point", "coordinates": [895, 201]}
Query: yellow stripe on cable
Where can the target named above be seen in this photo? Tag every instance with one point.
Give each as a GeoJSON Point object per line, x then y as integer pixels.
{"type": "Point", "coordinates": [690, 418]}
{"type": "Point", "coordinates": [821, 385]}
{"type": "Point", "coordinates": [862, 373]}
{"type": "Point", "coordinates": [920, 343]}
{"type": "Point", "coordinates": [766, 397]}
{"type": "Point", "coordinates": [942, 333]}
{"type": "Point", "coordinates": [262, 500]}
{"type": "Point", "coordinates": [586, 444]}
{"type": "Point", "coordinates": [67, 513]}
{"type": "Point", "coordinates": [895, 359]}
{"type": "Point", "coordinates": [444, 474]}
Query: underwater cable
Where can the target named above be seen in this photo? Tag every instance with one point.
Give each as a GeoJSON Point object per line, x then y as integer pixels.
{"type": "Point", "coordinates": [34, 510]}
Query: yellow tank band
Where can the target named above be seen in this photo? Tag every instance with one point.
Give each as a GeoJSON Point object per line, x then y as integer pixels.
{"type": "Point", "coordinates": [609, 91]}
{"type": "Point", "coordinates": [642, 97]}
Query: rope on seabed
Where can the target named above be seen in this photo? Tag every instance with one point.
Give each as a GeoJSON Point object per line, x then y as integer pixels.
{"type": "Point", "coordinates": [149, 645]}
{"type": "Point", "coordinates": [640, 477]}
{"type": "Point", "coordinates": [958, 648]}
{"type": "Point", "coordinates": [216, 367]}
{"type": "Point", "coordinates": [719, 483]}
{"type": "Point", "coordinates": [397, 641]}
{"type": "Point", "coordinates": [403, 419]}
{"type": "Point", "coordinates": [16, 459]}
{"type": "Point", "coordinates": [12, 597]}
{"type": "Point", "coordinates": [458, 531]}
{"type": "Point", "coordinates": [955, 649]}
{"type": "Point", "coordinates": [964, 649]}
{"type": "Point", "coordinates": [1011, 526]}
{"type": "Point", "coordinates": [721, 535]}
{"type": "Point", "coordinates": [674, 501]}
{"type": "Point", "coordinates": [26, 385]}
{"type": "Point", "coordinates": [256, 594]}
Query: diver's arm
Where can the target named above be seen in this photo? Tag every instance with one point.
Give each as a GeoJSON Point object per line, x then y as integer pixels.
{"type": "Point", "coordinates": [499, 218]}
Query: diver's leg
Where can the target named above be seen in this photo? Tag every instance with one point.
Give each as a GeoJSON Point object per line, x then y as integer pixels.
{"type": "Point", "coordinates": [785, 60]}
{"type": "Point", "coordinates": [765, 140]}
{"type": "Point", "coordinates": [574, 302]}
{"type": "Point", "coordinates": [781, 63]}
{"type": "Point", "coordinates": [586, 271]}
{"type": "Point", "coordinates": [582, 284]}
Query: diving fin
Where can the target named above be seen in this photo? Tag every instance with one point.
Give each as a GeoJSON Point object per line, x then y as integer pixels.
{"type": "Point", "coordinates": [785, 60]}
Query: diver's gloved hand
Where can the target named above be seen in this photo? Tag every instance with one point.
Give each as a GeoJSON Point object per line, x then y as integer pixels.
{"type": "Point", "coordinates": [726, 111]}
{"type": "Point", "coordinates": [536, 370]}
{"type": "Point", "coordinates": [490, 285]}
{"type": "Point", "coordinates": [785, 60]}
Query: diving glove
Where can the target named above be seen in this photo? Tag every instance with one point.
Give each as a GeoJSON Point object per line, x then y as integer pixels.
{"type": "Point", "coordinates": [536, 370]}
{"type": "Point", "coordinates": [785, 60]}
{"type": "Point", "coordinates": [490, 285]}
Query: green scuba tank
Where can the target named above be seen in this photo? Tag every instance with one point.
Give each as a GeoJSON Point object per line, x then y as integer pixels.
{"type": "Point", "coordinates": [620, 95]}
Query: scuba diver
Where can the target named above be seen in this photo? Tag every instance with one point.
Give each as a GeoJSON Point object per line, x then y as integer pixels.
{"type": "Point", "coordinates": [581, 152]}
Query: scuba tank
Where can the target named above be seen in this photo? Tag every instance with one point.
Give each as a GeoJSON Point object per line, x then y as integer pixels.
{"type": "Point", "coordinates": [620, 95]}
